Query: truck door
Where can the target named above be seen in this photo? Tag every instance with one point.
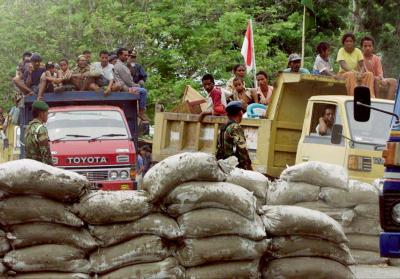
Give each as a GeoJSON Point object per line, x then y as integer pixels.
{"type": "Point", "coordinates": [315, 147]}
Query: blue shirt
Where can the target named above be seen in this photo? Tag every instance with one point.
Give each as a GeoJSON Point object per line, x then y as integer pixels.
{"type": "Point", "coordinates": [139, 162]}
{"type": "Point", "coordinates": [35, 76]}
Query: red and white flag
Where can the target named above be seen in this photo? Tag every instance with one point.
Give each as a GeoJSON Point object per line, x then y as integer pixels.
{"type": "Point", "coordinates": [248, 48]}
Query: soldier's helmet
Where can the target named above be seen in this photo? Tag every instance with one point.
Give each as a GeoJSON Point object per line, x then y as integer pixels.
{"type": "Point", "coordinates": [234, 107]}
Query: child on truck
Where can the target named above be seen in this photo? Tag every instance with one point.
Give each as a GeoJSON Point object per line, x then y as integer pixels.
{"type": "Point", "coordinates": [216, 99]}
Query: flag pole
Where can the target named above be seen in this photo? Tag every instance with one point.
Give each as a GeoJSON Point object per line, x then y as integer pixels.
{"type": "Point", "coordinates": [254, 54]}
{"type": "Point", "coordinates": [303, 36]}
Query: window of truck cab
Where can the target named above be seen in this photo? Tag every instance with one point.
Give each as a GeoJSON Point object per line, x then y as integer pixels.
{"type": "Point", "coordinates": [318, 110]}
{"type": "Point", "coordinates": [86, 123]}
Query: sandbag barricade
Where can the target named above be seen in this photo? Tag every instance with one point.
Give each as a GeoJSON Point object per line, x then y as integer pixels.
{"type": "Point", "coordinates": [326, 188]}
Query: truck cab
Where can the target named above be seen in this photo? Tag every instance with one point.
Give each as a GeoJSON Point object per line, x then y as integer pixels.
{"type": "Point", "coordinates": [92, 134]}
{"type": "Point", "coordinates": [361, 144]}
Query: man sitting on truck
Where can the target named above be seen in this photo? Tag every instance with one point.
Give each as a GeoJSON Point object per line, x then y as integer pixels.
{"type": "Point", "coordinates": [107, 73]}
{"type": "Point", "coordinates": [50, 81]}
{"type": "Point", "coordinates": [82, 76]}
{"type": "Point", "coordinates": [122, 74]}
{"type": "Point", "coordinates": [65, 74]}
{"type": "Point", "coordinates": [325, 123]}
{"type": "Point", "coordinates": [294, 63]}
{"type": "Point", "coordinates": [216, 99]}
{"type": "Point", "coordinates": [373, 64]}
{"type": "Point", "coordinates": [29, 85]}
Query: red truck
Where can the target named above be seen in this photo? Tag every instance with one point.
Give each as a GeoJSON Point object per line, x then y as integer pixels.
{"type": "Point", "coordinates": [92, 134]}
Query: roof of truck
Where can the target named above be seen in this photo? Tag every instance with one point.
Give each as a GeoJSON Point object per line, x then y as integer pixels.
{"type": "Point", "coordinates": [342, 98]}
{"type": "Point", "coordinates": [85, 107]}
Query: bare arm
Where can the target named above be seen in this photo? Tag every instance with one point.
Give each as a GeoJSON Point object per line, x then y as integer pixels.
{"type": "Point", "coordinates": [254, 95]}
{"type": "Point", "coordinates": [361, 66]}
{"type": "Point", "coordinates": [323, 128]}
{"type": "Point", "coordinates": [204, 114]}
{"type": "Point", "coordinates": [344, 66]}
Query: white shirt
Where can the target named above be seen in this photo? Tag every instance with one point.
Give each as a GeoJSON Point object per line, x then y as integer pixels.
{"type": "Point", "coordinates": [321, 65]}
{"type": "Point", "coordinates": [107, 71]}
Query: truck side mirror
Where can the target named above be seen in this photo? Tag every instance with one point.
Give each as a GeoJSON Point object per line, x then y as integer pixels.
{"type": "Point", "coordinates": [336, 137]}
{"type": "Point", "coordinates": [362, 95]}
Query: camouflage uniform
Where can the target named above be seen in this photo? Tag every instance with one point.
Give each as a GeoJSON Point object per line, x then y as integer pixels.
{"type": "Point", "coordinates": [37, 145]}
{"type": "Point", "coordinates": [232, 142]}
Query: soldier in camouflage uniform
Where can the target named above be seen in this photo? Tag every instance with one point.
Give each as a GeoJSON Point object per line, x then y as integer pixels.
{"type": "Point", "coordinates": [37, 145]}
{"type": "Point", "coordinates": [231, 139]}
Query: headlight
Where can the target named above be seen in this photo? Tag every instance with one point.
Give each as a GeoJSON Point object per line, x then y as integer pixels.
{"type": "Point", "coordinates": [359, 163]}
{"type": "Point", "coordinates": [396, 213]}
{"type": "Point", "coordinates": [124, 175]}
{"type": "Point", "coordinates": [113, 175]}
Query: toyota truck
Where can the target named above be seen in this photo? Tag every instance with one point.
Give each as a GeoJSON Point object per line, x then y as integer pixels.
{"type": "Point", "coordinates": [91, 134]}
{"type": "Point", "coordinates": [287, 135]}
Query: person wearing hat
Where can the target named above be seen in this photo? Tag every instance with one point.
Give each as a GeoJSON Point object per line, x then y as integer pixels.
{"type": "Point", "coordinates": [294, 63]}
{"type": "Point", "coordinates": [139, 75]}
{"type": "Point", "coordinates": [83, 77]}
{"type": "Point", "coordinates": [29, 85]}
{"type": "Point", "coordinates": [36, 139]}
{"type": "Point", "coordinates": [231, 139]}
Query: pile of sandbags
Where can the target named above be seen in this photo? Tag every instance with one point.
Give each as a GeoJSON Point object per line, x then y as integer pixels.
{"type": "Point", "coordinates": [214, 206]}
{"type": "Point", "coordinates": [133, 237]}
{"type": "Point", "coordinates": [40, 236]}
{"type": "Point", "coordinates": [305, 244]}
{"type": "Point", "coordinates": [326, 188]}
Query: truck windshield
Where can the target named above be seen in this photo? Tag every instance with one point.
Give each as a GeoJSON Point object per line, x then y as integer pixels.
{"type": "Point", "coordinates": [90, 123]}
{"type": "Point", "coordinates": [376, 130]}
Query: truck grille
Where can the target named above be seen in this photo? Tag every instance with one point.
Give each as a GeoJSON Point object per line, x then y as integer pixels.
{"type": "Point", "coordinates": [95, 175]}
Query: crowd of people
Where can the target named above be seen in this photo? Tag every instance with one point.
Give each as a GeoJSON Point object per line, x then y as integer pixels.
{"type": "Point", "coordinates": [113, 72]}
{"type": "Point", "coordinates": [356, 67]}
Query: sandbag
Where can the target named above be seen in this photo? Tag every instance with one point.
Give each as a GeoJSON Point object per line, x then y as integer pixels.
{"type": "Point", "coordinates": [306, 267]}
{"type": "Point", "coordinates": [358, 193]}
{"type": "Point", "coordinates": [177, 169]}
{"type": "Point", "coordinates": [368, 257]}
{"type": "Point", "coordinates": [363, 242]}
{"type": "Point", "coordinates": [394, 262]}
{"type": "Point", "coordinates": [142, 249]}
{"type": "Point", "coordinates": [4, 244]}
{"type": "Point", "coordinates": [213, 221]}
{"type": "Point", "coordinates": [32, 177]}
{"type": "Point", "coordinates": [281, 220]}
{"type": "Point", "coordinates": [105, 207]}
{"type": "Point", "coordinates": [156, 223]}
{"type": "Point", "coordinates": [251, 180]}
{"type": "Point", "coordinates": [196, 252]}
{"type": "Point", "coordinates": [227, 270]}
{"type": "Point", "coordinates": [48, 257]}
{"type": "Point", "coordinates": [47, 233]}
{"type": "Point", "coordinates": [317, 173]}
{"type": "Point", "coordinates": [300, 246]}
{"type": "Point", "coordinates": [3, 268]}
{"type": "Point", "coordinates": [168, 268]}
{"type": "Point", "coordinates": [362, 225]}
{"type": "Point", "coordinates": [343, 215]}
{"type": "Point", "coordinates": [282, 192]}
{"type": "Point", "coordinates": [25, 209]}
{"type": "Point", "coordinates": [52, 275]}
{"type": "Point", "coordinates": [367, 210]}
{"type": "Point", "coordinates": [194, 195]}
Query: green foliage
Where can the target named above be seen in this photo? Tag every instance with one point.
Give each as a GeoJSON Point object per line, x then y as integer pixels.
{"type": "Point", "coordinates": [178, 41]}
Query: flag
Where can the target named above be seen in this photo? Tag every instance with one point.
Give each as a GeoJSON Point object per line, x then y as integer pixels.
{"type": "Point", "coordinates": [248, 48]}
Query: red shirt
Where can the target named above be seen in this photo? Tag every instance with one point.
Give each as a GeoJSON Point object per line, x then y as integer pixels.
{"type": "Point", "coordinates": [218, 107]}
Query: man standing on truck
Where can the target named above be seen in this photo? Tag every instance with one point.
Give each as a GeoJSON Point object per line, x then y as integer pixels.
{"type": "Point", "coordinates": [36, 139]}
{"type": "Point", "coordinates": [231, 139]}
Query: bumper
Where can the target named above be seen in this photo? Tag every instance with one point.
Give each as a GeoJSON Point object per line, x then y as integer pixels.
{"type": "Point", "coordinates": [389, 244]}
{"type": "Point", "coordinates": [115, 185]}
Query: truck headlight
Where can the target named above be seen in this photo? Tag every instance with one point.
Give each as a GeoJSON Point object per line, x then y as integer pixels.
{"type": "Point", "coordinates": [396, 213]}
{"type": "Point", "coordinates": [113, 175]}
{"type": "Point", "coordinates": [359, 163]}
{"type": "Point", "coordinates": [123, 175]}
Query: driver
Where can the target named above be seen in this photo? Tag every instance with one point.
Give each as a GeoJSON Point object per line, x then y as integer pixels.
{"type": "Point", "coordinates": [324, 128]}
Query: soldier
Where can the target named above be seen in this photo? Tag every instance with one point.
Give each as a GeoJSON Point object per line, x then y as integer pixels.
{"type": "Point", "coordinates": [231, 139]}
{"type": "Point", "coordinates": [37, 145]}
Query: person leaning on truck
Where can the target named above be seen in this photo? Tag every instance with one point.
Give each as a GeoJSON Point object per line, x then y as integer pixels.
{"type": "Point", "coordinates": [231, 139]}
{"type": "Point", "coordinates": [37, 143]}
{"type": "Point", "coordinates": [325, 123]}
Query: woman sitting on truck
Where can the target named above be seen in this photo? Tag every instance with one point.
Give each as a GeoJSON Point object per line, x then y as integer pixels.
{"type": "Point", "coordinates": [352, 68]}
{"type": "Point", "coordinates": [264, 91]}
{"type": "Point", "coordinates": [238, 71]}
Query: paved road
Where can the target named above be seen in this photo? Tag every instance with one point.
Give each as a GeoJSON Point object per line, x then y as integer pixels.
{"type": "Point", "coordinates": [376, 272]}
